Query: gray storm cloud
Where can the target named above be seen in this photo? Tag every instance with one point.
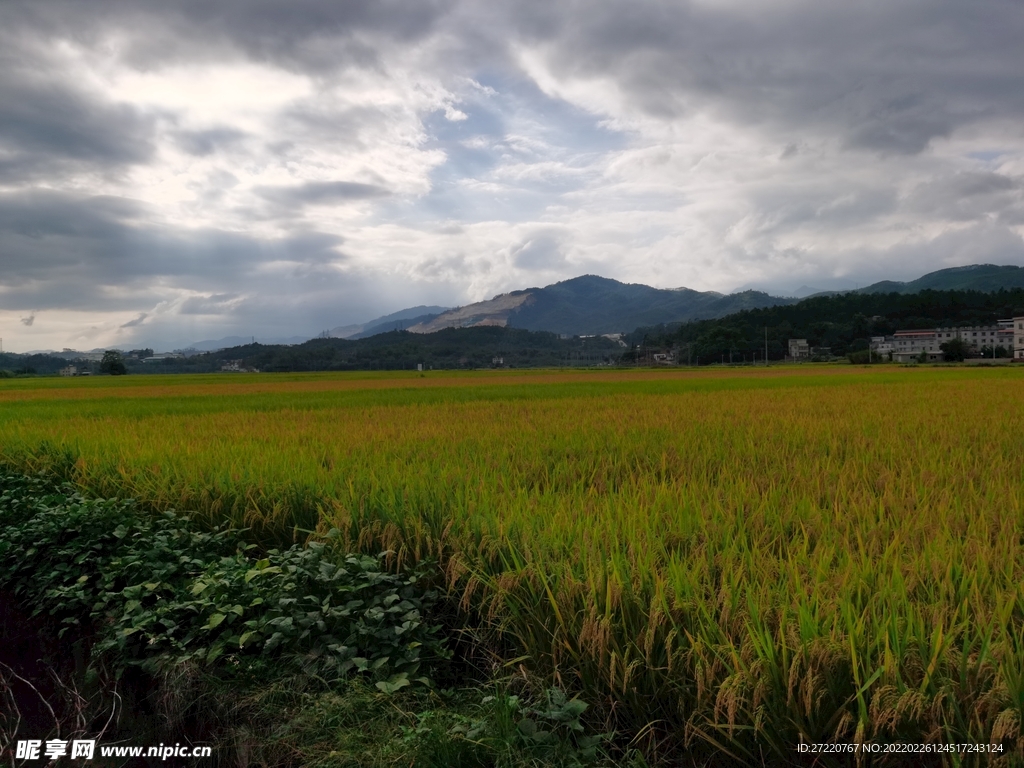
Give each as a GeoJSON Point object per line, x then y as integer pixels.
{"type": "Point", "coordinates": [884, 76]}
{"type": "Point", "coordinates": [186, 168]}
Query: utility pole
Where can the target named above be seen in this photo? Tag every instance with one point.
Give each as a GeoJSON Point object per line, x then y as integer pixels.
{"type": "Point", "coordinates": [766, 345]}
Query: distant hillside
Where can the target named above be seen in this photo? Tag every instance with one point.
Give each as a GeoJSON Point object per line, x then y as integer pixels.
{"type": "Point", "coordinates": [595, 305]}
{"type": "Point", "coordinates": [977, 277]}
{"type": "Point", "coordinates": [209, 345]}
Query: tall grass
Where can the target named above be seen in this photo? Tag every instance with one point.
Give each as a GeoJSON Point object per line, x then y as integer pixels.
{"type": "Point", "coordinates": [740, 560]}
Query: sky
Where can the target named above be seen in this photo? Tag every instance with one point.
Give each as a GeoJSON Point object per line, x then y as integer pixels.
{"type": "Point", "coordinates": [187, 170]}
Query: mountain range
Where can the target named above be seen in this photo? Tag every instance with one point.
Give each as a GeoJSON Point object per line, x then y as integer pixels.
{"type": "Point", "coordinates": [593, 305]}
{"type": "Point", "coordinates": [597, 305]}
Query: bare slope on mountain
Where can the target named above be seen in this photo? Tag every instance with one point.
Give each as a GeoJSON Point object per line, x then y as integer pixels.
{"type": "Point", "coordinates": [496, 311]}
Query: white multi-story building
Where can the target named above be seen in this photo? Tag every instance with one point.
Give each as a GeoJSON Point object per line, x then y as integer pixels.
{"type": "Point", "coordinates": [907, 345]}
{"type": "Point", "coordinates": [1000, 335]}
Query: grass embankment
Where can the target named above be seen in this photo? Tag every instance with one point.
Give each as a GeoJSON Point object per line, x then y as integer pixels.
{"type": "Point", "coordinates": [743, 559]}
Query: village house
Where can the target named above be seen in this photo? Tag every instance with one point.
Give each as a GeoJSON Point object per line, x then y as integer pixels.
{"type": "Point", "coordinates": [799, 349]}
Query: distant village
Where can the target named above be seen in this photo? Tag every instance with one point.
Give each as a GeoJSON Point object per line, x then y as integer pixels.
{"type": "Point", "coordinates": [82, 358]}
{"type": "Point", "coordinates": [79, 368]}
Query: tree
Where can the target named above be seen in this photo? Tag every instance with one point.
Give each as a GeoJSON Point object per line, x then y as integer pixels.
{"type": "Point", "coordinates": [112, 363]}
{"type": "Point", "coordinates": [954, 350]}
{"type": "Point", "coordinates": [863, 356]}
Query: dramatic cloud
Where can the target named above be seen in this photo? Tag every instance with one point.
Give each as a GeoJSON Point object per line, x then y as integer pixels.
{"type": "Point", "coordinates": [184, 170]}
{"type": "Point", "coordinates": [320, 193]}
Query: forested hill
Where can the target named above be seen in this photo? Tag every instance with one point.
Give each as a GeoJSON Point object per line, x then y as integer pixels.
{"type": "Point", "coordinates": [976, 277]}
{"type": "Point", "coordinates": [843, 322]}
{"type": "Point", "coordinates": [452, 348]}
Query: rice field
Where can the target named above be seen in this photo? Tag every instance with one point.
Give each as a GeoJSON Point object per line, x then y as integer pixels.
{"type": "Point", "coordinates": [737, 559]}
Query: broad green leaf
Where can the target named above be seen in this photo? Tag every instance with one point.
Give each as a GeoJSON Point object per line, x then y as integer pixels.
{"type": "Point", "coordinates": [246, 636]}
{"type": "Point", "coordinates": [393, 683]}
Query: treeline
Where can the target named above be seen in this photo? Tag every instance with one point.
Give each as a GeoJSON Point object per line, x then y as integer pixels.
{"type": "Point", "coordinates": [43, 364]}
{"type": "Point", "coordinates": [28, 365]}
{"type": "Point", "coordinates": [842, 323]}
{"type": "Point", "coordinates": [452, 348]}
